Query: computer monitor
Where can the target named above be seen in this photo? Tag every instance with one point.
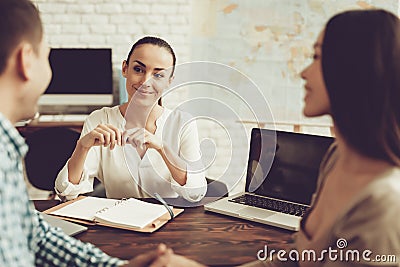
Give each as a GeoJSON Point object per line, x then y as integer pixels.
{"type": "Point", "coordinates": [81, 76]}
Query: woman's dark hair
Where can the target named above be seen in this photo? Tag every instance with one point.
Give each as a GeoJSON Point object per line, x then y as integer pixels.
{"type": "Point", "coordinates": [19, 21]}
{"type": "Point", "coordinates": [361, 69]}
{"type": "Point", "coordinates": [154, 41]}
{"type": "Point", "coordinates": [158, 42]}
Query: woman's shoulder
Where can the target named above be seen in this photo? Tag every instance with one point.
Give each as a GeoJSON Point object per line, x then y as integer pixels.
{"type": "Point", "coordinates": [179, 124]}
{"type": "Point", "coordinates": [372, 222]}
{"type": "Point", "coordinates": [385, 190]}
{"type": "Point", "coordinates": [378, 207]}
{"type": "Point", "coordinates": [177, 116]}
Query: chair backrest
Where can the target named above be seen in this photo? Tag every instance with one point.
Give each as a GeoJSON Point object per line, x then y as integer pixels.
{"type": "Point", "coordinates": [216, 188]}
{"type": "Point", "coordinates": [49, 150]}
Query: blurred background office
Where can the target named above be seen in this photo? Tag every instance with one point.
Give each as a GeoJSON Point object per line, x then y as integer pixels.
{"type": "Point", "coordinates": [270, 41]}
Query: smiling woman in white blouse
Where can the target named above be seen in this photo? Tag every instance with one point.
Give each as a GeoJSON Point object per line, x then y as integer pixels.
{"type": "Point", "coordinates": [140, 147]}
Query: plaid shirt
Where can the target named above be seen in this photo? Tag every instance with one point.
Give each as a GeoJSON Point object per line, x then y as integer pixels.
{"type": "Point", "coordinates": [25, 238]}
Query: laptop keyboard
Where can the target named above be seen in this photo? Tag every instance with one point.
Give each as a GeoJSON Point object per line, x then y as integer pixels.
{"type": "Point", "coordinates": [270, 204]}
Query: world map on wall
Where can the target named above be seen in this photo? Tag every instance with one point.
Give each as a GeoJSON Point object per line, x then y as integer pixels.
{"type": "Point", "coordinates": [268, 40]}
{"type": "Point", "coordinates": [287, 28]}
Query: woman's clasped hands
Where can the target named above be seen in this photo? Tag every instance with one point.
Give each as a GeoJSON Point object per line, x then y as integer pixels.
{"type": "Point", "coordinates": [141, 138]}
{"type": "Point", "coordinates": [109, 135]}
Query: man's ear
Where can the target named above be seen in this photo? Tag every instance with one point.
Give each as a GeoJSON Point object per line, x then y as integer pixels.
{"type": "Point", "coordinates": [24, 62]}
{"type": "Point", "coordinates": [124, 68]}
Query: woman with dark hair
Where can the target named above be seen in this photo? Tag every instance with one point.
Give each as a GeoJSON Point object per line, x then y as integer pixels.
{"type": "Point", "coordinates": [355, 78]}
{"type": "Point", "coordinates": [139, 148]}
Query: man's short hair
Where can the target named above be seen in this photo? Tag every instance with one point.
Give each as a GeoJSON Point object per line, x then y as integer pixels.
{"type": "Point", "coordinates": [19, 21]}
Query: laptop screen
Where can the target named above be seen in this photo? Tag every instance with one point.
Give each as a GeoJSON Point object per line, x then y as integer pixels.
{"type": "Point", "coordinates": [294, 170]}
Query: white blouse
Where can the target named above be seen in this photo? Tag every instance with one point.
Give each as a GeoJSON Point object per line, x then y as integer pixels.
{"type": "Point", "coordinates": [124, 174]}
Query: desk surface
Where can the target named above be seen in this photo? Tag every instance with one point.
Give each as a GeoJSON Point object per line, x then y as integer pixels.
{"type": "Point", "coordinates": [211, 239]}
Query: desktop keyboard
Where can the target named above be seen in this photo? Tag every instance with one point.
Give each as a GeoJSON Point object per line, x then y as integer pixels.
{"type": "Point", "coordinates": [271, 204]}
{"type": "Point", "coordinates": [63, 118]}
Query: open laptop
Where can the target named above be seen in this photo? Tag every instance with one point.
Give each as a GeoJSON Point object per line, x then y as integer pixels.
{"type": "Point", "coordinates": [278, 188]}
{"type": "Point", "coordinates": [68, 227]}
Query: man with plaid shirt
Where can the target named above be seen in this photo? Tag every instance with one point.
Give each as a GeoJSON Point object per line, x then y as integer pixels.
{"type": "Point", "coordinates": [25, 238]}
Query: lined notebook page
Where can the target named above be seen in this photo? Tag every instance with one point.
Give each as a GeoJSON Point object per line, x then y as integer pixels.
{"type": "Point", "coordinates": [131, 213]}
{"type": "Point", "coordinates": [85, 208]}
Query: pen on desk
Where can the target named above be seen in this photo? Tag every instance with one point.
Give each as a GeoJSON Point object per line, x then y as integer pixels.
{"type": "Point", "coordinates": [159, 198]}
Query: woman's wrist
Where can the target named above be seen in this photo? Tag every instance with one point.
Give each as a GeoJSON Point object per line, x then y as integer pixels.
{"type": "Point", "coordinates": [160, 149]}
{"type": "Point", "coordinates": [81, 148]}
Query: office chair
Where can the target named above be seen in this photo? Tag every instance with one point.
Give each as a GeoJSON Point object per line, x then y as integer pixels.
{"type": "Point", "coordinates": [49, 150]}
{"type": "Point", "coordinates": [216, 188]}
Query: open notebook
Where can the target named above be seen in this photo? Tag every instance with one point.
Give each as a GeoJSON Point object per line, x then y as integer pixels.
{"type": "Point", "coordinates": [130, 214]}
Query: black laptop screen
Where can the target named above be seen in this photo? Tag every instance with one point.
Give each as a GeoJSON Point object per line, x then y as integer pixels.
{"type": "Point", "coordinates": [294, 170]}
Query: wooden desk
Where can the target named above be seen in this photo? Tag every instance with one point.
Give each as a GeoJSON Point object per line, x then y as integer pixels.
{"type": "Point", "coordinates": [211, 239]}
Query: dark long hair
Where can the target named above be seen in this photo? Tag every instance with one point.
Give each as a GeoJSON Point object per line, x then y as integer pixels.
{"type": "Point", "coordinates": [158, 42]}
{"type": "Point", "coordinates": [361, 68]}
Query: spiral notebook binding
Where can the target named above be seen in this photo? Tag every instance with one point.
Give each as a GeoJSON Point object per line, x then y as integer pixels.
{"type": "Point", "coordinates": [115, 204]}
